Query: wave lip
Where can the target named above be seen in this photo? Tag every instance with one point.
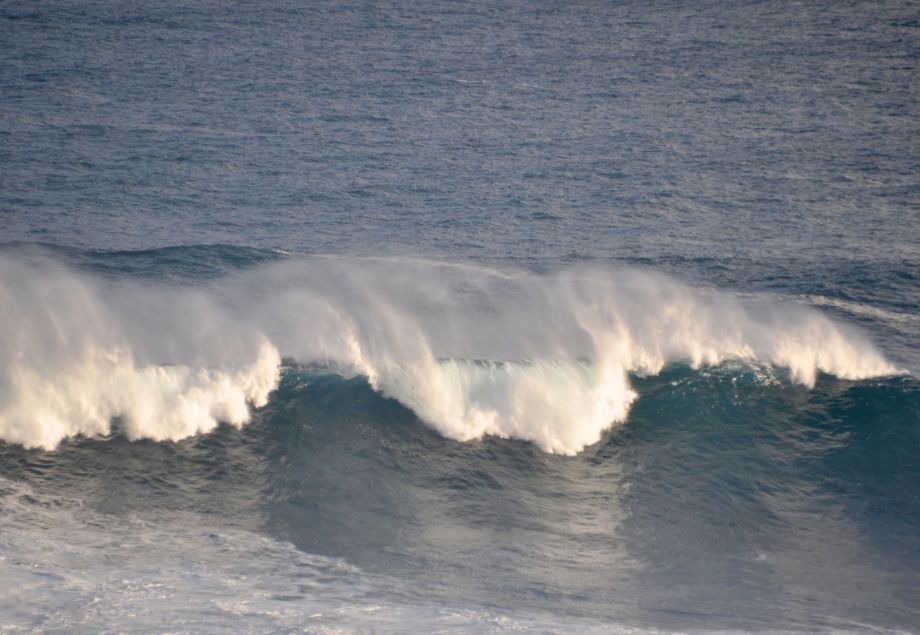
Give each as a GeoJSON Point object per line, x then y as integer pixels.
{"type": "Point", "coordinates": [562, 406]}
{"type": "Point", "coordinates": [172, 361]}
{"type": "Point", "coordinates": [161, 403]}
{"type": "Point", "coordinates": [77, 355]}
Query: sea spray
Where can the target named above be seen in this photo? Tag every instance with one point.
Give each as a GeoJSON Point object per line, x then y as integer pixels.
{"type": "Point", "coordinates": [471, 350]}
{"type": "Point", "coordinates": [77, 353]}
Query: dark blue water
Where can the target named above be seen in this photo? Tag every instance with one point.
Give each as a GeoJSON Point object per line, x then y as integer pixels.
{"type": "Point", "coordinates": [449, 318]}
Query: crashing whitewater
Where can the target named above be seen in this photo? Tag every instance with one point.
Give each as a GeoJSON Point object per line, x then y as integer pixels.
{"type": "Point", "coordinates": [471, 350]}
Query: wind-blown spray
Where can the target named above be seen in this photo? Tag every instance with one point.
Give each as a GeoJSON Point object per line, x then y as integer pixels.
{"type": "Point", "coordinates": [471, 350]}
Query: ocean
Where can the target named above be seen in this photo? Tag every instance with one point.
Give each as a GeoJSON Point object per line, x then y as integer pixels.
{"type": "Point", "coordinates": [404, 317]}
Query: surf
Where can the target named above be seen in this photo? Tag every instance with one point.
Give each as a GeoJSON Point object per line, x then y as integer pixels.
{"type": "Point", "coordinates": [472, 350]}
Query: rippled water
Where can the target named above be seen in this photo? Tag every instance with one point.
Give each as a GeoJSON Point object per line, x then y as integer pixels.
{"type": "Point", "coordinates": [450, 318]}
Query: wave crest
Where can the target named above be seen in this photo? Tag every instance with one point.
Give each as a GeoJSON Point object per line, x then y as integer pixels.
{"type": "Point", "coordinates": [171, 362]}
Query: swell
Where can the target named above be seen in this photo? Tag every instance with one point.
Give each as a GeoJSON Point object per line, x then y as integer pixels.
{"type": "Point", "coordinates": [731, 466]}
{"type": "Point", "coordinates": [471, 350]}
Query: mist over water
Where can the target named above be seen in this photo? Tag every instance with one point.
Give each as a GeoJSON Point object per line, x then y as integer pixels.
{"type": "Point", "coordinates": [406, 317]}
{"type": "Point", "coordinates": [470, 349]}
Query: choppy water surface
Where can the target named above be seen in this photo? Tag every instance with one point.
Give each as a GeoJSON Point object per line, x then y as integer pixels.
{"type": "Point", "coordinates": [459, 318]}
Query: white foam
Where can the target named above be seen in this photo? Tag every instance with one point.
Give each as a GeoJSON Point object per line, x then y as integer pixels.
{"type": "Point", "coordinates": [67, 568]}
{"type": "Point", "coordinates": [73, 359]}
{"type": "Point", "coordinates": [471, 350]}
{"type": "Point", "coordinates": [858, 308]}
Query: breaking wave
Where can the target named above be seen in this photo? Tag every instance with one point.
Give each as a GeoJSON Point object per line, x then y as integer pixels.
{"type": "Point", "coordinates": [471, 350]}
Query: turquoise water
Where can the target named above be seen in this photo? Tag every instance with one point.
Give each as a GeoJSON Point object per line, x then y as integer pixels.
{"type": "Point", "coordinates": [459, 318]}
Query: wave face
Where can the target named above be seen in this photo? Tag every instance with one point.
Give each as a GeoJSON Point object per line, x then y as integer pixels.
{"type": "Point", "coordinates": [648, 380]}
{"type": "Point", "coordinates": [471, 350]}
{"type": "Point", "coordinates": [768, 505]}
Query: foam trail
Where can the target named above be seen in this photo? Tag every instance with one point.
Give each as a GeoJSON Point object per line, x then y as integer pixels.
{"type": "Point", "coordinates": [471, 350]}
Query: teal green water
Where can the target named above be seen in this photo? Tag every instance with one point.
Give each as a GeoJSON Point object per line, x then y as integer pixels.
{"type": "Point", "coordinates": [459, 318]}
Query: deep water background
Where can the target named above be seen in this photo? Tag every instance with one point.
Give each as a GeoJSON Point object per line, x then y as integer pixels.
{"type": "Point", "coordinates": [757, 147]}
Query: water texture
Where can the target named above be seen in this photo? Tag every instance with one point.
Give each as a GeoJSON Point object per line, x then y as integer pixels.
{"type": "Point", "coordinates": [409, 317]}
